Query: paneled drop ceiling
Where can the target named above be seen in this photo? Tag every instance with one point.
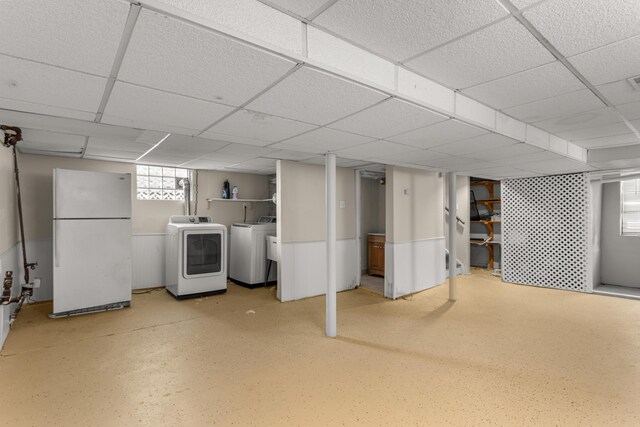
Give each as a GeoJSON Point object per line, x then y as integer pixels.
{"type": "Point", "coordinates": [229, 81]}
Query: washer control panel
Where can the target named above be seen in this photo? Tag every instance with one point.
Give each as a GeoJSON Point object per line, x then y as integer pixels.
{"type": "Point", "coordinates": [190, 219]}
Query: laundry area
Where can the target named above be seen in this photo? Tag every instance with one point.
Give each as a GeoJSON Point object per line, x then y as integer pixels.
{"type": "Point", "coordinates": [326, 212]}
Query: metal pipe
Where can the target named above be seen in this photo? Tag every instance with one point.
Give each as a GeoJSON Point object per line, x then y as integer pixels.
{"type": "Point", "coordinates": [358, 176]}
{"type": "Point", "coordinates": [453, 258]}
{"type": "Point", "coordinates": [10, 141]}
{"type": "Point", "coordinates": [330, 177]}
{"type": "Point", "coordinates": [6, 288]}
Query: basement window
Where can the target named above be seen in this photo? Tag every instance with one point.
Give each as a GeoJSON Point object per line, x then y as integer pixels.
{"type": "Point", "coordinates": [630, 207]}
{"type": "Point", "coordinates": [160, 183]}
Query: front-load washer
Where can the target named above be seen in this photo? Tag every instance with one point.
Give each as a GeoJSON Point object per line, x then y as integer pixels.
{"type": "Point", "coordinates": [248, 252]}
{"type": "Point", "coordinates": [196, 256]}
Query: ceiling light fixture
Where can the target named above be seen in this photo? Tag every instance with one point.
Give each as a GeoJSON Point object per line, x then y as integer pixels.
{"type": "Point", "coordinates": [154, 147]}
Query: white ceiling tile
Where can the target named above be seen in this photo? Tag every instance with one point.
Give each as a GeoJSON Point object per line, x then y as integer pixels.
{"type": "Point", "coordinates": [438, 134]}
{"type": "Point", "coordinates": [135, 106]}
{"type": "Point", "coordinates": [101, 146]}
{"type": "Point", "coordinates": [10, 104]}
{"type": "Point", "coordinates": [81, 35]}
{"type": "Point", "coordinates": [164, 159]}
{"type": "Point", "coordinates": [249, 17]}
{"type": "Point", "coordinates": [36, 140]}
{"type": "Point", "coordinates": [250, 127]}
{"type": "Point", "coordinates": [414, 156]}
{"type": "Point", "coordinates": [343, 163]}
{"type": "Point", "coordinates": [254, 165]}
{"type": "Point", "coordinates": [387, 119]}
{"type": "Point", "coordinates": [613, 62]}
{"type": "Point", "coordinates": [315, 97]}
{"type": "Point", "coordinates": [588, 119]}
{"type": "Point", "coordinates": [538, 83]}
{"type": "Point", "coordinates": [36, 83]}
{"type": "Point", "coordinates": [396, 29]}
{"type": "Point", "coordinates": [451, 163]}
{"type": "Point", "coordinates": [562, 105]}
{"type": "Point", "coordinates": [630, 111]}
{"type": "Point", "coordinates": [326, 140]}
{"type": "Point", "coordinates": [377, 150]}
{"type": "Point", "coordinates": [511, 151]}
{"type": "Point", "coordinates": [521, 4]}
{"type": "Point", "coordinates": [300, 7]}
{"type": "Point", "coordinates": [110, 155]}
{"type": "Point", "coordinates": [619, 92]}
{"type": "Point", "coordinates": [66, 125]}
{"type": "Point", "coordinates": [475, 144]}
{"type": "Point", "coordinates": [304, 149]}
{"type": "Point", "coordinates": [290, 155]}
{"type": "Point", "coordinates": [575, 26]}
{"type": "Point", "coordinates": [529, 158]}
{"type": "Point", "coordinates": [188, 146]}
{"type": "Point", "coordinates": [499, 172]}
{"type": "Point", "coordinates": [608, 141]}
{"type": "Point", "coordinates": [499, 50]}
{"type": "Point", "coordinates": [177, 57]}
{"type": "Point", "coordinates": [242, 150]}
{"type": "Point", "coordinates": [556, 166]}
{"type": "Point", "coordinates": [595, 132]}
{"type": "Point", "coordinates": [205, 164]}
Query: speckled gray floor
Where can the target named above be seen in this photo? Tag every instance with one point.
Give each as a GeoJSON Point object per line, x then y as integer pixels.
{"type": "Point", "coordinates": [502, 354]}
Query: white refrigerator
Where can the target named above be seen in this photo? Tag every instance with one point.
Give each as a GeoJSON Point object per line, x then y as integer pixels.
{"type": "Point", "coordinates": [91, 241]}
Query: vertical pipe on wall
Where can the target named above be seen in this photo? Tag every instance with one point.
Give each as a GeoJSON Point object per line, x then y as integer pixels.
{"type": "Point", "coordinates": [453, 257]}
{"type": "Point", "coordinates": [358, 177]}
{"type": "Point", "coordinates": [330, 178]}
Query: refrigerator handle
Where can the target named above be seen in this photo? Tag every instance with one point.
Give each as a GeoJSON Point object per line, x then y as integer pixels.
{"type": "Point", "coordinates": [56, 257]}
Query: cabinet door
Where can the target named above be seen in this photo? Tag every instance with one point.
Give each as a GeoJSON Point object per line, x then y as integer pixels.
{"type": "Point", "coordinates": [376, 258]}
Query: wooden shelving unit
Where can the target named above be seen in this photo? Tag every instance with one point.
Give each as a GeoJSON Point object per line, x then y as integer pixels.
{"type": "Point", "coordinates": [489, 203]}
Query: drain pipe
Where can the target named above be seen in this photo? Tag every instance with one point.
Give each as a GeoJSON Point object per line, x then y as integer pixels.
{"type": "Point", "coordinates": [11, 135]}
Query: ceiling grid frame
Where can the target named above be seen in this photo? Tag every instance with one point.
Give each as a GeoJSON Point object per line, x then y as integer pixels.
{"type": "Point", "coordinates": [179, 14]}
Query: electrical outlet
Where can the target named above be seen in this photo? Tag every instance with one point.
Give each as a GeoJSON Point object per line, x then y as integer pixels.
{"type": "Point", "coordinates": [343, 204]}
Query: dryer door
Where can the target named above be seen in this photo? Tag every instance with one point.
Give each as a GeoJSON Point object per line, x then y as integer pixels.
{"type": "Point", "coordinates": [203, 253]}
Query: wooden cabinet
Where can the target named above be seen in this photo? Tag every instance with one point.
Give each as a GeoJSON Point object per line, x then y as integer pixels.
{"type": "Point", "coordinates": [376, 254]}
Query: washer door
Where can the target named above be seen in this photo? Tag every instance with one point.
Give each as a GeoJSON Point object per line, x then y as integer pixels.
{"type": "Point", "coordinates": [203, 253]}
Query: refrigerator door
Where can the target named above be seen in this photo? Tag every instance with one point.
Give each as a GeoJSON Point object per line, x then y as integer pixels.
{"type": "Point", "coordinates": [82, 194]}
{"type": "Point", "coordinates": [91, 263]}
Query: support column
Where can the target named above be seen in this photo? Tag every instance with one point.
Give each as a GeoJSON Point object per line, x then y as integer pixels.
{"type": "Point", "coordinates": [330, 176]}
{"type": "Point", "coordinates": [453, 257]}
{"type": "Point", "coordinates": [358, 226]}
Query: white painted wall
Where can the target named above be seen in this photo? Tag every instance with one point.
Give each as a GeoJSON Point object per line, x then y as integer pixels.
{"type": "Point", "coordinates": [414, 251]}
{"type": "Point", "coordinates": [302, 230]}
{"type": "Point", "coordinates": [620, 255]}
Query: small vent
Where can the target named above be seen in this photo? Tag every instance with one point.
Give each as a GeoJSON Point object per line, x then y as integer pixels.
{"type": "Point", "coordinates": [635, 82]}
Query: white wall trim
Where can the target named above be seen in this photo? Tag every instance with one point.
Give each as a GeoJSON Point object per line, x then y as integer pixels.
{"type": "Point", "coordinates": [303, 268]}
{"type": "Point", "coordinates": [414, 266]}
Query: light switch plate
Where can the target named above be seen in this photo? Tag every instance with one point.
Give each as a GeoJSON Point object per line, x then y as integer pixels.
{"type": "Point", "coordinates": [342, 204]}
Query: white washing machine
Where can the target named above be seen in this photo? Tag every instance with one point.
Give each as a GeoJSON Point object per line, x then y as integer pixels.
{"type": "Point", "coordinates": [248, 252]}
{"type": "Point", "coordinates": [196, 256]}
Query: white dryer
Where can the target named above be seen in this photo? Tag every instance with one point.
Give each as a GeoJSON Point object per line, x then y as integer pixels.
{"type": "Point", "coordinates": [196, 256]}
{"type": "Point", "coordinates": [248, 252]}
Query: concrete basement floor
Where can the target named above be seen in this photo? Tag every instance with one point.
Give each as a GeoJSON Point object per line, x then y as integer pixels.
{"type": "Point", "coordinates": [503, 354]}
